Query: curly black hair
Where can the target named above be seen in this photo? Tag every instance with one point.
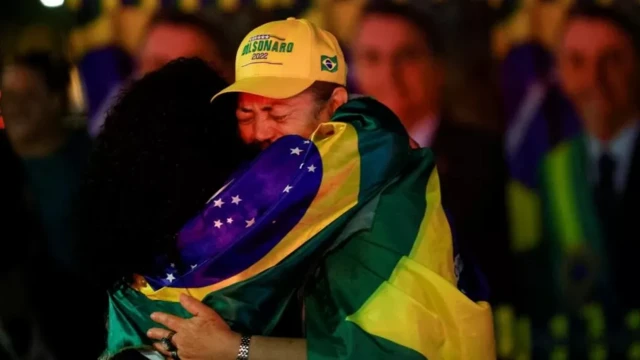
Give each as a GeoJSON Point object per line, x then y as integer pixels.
{"type": "Point", "coordinates": [163, 152]}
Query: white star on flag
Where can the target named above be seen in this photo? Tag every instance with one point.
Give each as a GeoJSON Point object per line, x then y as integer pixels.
{"type": "Point", "coordinates": [217, 224]}
{"type": "Point", "coordinates": [194, 266]}
{"type": "Point", "coordinates": [218, 203]}
{"type": "Point", "coordinates": [236, 199]}
{"type": "Point", "coordinates": [306, 142]}
{"type": "Point", "coordinates": [301, 165]}
{"type": "Point", "coordinates": [229, 221]}
{"type": "Point", "coordinates": [311, 168]}
{"type": "Point", "coordinates": [170, 277]}
{"type": "Point", "coordinates": [287, 189]}
{"type": "Point", "coordinates": [296, 151]}
{"type": "Point", "coordinates": [172, 265]}
{"type": "Point", "coordinates": [250, 222]}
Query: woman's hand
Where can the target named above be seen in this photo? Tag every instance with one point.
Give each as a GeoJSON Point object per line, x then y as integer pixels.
{"type": "Point", "coordinates": [205, 336]}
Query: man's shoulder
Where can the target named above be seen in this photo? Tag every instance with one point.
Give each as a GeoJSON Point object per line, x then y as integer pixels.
{"type": "Point", "coordinates": [357, 101]}
{"type": "Point", "coordinates": [365, 109]}
{"type": "Point", "coordinates": [472, 135]}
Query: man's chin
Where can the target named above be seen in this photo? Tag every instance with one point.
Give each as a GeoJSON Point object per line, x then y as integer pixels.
{"type": "Point", "coordinates": [19, 132]}
{"type": "Point", "coordinates": [257, 147]}
{"type": "Point", "coordinates": [593, 115]}
{"type": "Point", "coordinates": [601, 128]}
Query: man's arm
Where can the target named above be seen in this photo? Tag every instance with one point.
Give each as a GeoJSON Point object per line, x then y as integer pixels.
{"type": "Point", "coordinates": [271, 348]}
{"type": "Point", "coordinates": [207, 336]}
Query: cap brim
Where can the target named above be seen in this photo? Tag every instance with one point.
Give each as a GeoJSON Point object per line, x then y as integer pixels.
{"type": "Point", "coordinates": [268, 86]}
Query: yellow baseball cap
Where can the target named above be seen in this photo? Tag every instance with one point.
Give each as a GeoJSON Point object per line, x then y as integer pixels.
{"type": "Point", "coordinates": [283, 58]}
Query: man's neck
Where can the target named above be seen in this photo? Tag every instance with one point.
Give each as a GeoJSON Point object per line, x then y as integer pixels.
{"type": "Point", "coordinates": [606, 135]}
{"type": "Point", "coordinates": [419, 120]}
{"type": "Point", "coordinates": [422, 129]}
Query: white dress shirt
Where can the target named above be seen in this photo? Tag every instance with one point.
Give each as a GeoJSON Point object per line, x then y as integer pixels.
{"type": "Point", "coordinates": [621, 149]}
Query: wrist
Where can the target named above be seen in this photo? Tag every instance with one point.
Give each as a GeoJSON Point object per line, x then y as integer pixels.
{"type": "Point", "coordinates": [243, 349]}
{"type": "Point", "coordinates": [234, 344]}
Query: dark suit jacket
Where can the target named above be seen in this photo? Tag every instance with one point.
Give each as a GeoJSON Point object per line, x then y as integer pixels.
{"type": "Point", "coordinates": [15, 213]}
{"type": "Point", "coordinates": [622, 243]}
{"type": "Point", "coordinates": [473, 174]}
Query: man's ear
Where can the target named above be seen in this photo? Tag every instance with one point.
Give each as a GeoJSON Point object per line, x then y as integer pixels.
{"type": "Point", "coordinates": [338, 98]}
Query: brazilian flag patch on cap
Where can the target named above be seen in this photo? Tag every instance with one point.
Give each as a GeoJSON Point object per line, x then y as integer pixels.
{"type": "Point", "coordinates": [329, 64]}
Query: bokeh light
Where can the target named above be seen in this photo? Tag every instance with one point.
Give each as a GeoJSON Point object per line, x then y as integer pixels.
{"type": "Point", "coordinates": [52, 3]}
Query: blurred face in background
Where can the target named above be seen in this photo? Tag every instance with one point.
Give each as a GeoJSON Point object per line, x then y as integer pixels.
{"type": "Point", "coordinates": [31, 111]}
{"type": "Point", "coordinates": [393, 63]}
{"type": "Point", "coordinates": [167, 42]}
{"type": "Point", "coordinates": [598, 71]}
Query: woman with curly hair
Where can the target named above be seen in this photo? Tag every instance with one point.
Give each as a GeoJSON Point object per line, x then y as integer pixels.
{"type": "Point", "coordinates": [163, 152]}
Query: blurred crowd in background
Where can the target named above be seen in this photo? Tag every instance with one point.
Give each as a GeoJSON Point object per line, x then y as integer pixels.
{"type": "Point", "coordinates": [531, 107]}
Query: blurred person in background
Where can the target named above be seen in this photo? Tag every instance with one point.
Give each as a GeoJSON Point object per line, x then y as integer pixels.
{"type": "Point", "coordinates": [54, 156]}
{"type": "Point", "coordinates": [19, 232]}
{"type": "Point", "coordinates": [171, 35]}
{"type": "Point", "coordinates": [398, 58]}
{"type": "Point", "coordinates": [580, 274]}
{"type": "Point", "coordinates": [35, 103]}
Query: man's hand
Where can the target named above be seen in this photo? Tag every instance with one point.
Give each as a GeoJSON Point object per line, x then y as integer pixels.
{"type": "Point", "coordinates": [205, 336]}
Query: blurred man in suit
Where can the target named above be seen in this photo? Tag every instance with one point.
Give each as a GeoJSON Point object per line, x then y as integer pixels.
{"type": "Point", "coordinates": [172, 35]}
{"type": "Point", "coordinates": [580, 272]}
{"type": "Point", "coordinates": [398, 59]}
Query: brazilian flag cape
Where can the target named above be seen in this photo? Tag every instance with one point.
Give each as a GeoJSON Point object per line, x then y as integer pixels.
{"type": "Point", "coordinates": [350, 221]}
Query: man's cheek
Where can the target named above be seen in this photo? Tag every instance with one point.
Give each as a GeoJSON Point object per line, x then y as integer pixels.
{"type": "Point", "coordinates": [246, 134]}
{"type": "Point", "coordinates": [311, 127]}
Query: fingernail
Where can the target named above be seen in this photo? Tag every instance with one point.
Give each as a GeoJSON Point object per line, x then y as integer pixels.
{"type": "Point", "coordinates": [154, 316]}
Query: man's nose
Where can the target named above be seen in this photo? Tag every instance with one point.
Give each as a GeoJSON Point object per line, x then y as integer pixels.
{"type": "Point", "coordinates": [594, 77]}
{"type": "Point", "coordinates": [392, 76]}
{"type": "Point", "coordinates": [263, 130]}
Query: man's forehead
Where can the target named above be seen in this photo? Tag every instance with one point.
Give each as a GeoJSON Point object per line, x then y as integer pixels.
{"type": "Point", "coordinates": [173, 41]}
{"type": "Point", "coordinates": [592, 34]}
{"type": "Point", "coordinates": [387, 34]}
{"type": "Point", "coordinates": [253, 99]}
